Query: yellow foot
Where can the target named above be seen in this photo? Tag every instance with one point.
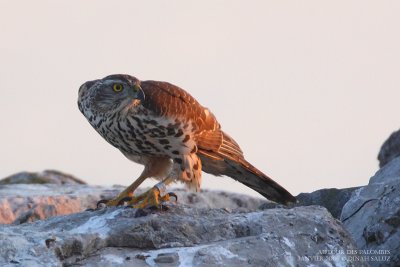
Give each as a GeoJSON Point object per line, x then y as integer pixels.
{"type": "Point", "coordinates": [118, 201]}
{"type": "Point", "coordinates": [151, 198]}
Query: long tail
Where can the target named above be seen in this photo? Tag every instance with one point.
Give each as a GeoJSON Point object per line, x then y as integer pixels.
{"type": "Point", "coordinates": [250, 176]}
{"type": "Point", "coordinates": [235, 166]}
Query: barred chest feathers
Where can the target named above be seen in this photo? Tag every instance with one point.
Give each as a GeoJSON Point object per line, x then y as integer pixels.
{"type": "Point", "coordinates": [144, 134]}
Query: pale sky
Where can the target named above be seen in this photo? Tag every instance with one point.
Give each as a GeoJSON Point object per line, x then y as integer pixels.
{"type": "Point", "coordinates": [309, 89]}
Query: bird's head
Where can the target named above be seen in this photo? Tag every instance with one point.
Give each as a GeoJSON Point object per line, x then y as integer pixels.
{"type": "Point", "coordinates": [110, 94]}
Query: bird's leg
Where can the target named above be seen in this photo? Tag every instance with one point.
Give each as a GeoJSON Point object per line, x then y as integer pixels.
{"type": "Point", "coordinates": [153, 197]}
{"type": "Point", "coordinates": [154, 167]}
{"type": "Point", "coordinates": [127, 194]}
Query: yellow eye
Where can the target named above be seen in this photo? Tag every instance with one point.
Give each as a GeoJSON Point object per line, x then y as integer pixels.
{"type": "Point", "coordinates": [117, 87]}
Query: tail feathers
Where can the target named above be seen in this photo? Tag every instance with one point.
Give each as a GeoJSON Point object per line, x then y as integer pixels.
{"type": "Point", "coordinates": [250, 176]}
{"type": "Point", "coordinates": [247, 174]}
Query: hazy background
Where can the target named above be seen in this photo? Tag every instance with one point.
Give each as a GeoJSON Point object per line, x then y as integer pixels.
{"type": "Point", "coordinates": [309, 89]}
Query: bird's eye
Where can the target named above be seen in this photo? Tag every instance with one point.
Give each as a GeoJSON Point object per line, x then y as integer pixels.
{"type": "Point", "coordinates": [117, 87]}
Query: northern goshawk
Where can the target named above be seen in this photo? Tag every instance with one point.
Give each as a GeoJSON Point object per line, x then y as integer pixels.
{"type": "Point", "coordinates": [163, 127]}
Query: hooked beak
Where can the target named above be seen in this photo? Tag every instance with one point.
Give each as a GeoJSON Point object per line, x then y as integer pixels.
{"type": "Point", "coordinates": [140, 93]}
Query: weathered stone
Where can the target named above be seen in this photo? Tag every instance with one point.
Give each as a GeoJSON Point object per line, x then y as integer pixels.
{"type": "Point", "coordinates": [390, 149]}
{"type": "Point", "coordinates": [332, 199]}
{"type": "Point", "coordinates": [272, 205]}
{"type": "Point", "coordinates": [45, 177]}
{"type": "Point", "coordinates": [181, 236]}
{"type": "Point", "coordinates": [21, 203]}
{"type": "Point", "coordinates": [168, 258]}
{"type": "Point", "coordinates": [372, 215]}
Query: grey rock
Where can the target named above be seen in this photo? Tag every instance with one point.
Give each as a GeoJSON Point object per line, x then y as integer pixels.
{"type": "Point", "coordinates": [45, 177]}
{"type": "Point", "coordinates": [20, 203]}
{"type": "Point", "coordinates": [182, 236]}
{"type": "Point", "coordinates": [332, 199]}
{"type": "Point", "coordinates": [168, 258]}
{"type": "Point", "coordinates": [390, 149]}
{"type": "Point", "coordinates": [272, 205]}
{"type": "Point", "coordinates": [372, 215]}
{"type": "Point", "coordinates": [219, 199]}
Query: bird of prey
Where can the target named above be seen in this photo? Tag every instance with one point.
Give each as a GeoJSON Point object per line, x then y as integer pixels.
{"type": "Point", "coordinates": [163, 127]}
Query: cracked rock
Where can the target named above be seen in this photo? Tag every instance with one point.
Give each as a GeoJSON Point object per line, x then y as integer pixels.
{"type": "Point", "coordinates": [372, 214]}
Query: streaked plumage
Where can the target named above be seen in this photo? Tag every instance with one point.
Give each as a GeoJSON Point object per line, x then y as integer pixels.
{"type": "Point", "coordinates": [163, 127]}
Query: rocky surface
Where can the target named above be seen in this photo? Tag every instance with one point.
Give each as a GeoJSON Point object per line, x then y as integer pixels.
{"type": "Point", "coordinates": [372, 215]}
{"type": "Point", "coordinates": [181, 236]}
{"type": "Point", "coordinates": [390, 149]}
{"type": "Point", "coordinates": [20, 203]}
{"type": "Point", "coordinates": [332, 199]}
{"type": "Point", "coordinates": [45, 224]}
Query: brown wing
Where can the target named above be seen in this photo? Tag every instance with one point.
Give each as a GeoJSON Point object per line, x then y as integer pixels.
{"type": "Point", "coordinates": [166, 99]}
{"type": "Point", "coordinates": [219, 153]}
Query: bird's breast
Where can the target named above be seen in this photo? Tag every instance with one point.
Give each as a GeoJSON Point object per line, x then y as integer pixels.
{"type": "Point", "coordinates": [143, 134]}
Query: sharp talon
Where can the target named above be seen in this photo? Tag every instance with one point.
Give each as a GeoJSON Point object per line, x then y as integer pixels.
{"type": "Point", "coordinates": [172, 194]}
{"type": "Point", "coordinates": [122, 201]}
{"type": "Point", "coordinates": [103, 201]}
{"type": "Point", "coordinates": [89, 209]}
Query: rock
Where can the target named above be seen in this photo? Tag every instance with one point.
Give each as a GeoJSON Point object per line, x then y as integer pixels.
{"type": "Point", "coordinates": [272, 205]}
{"type": "Point", "coordinates": [372, 215]}
{"type": "Point", "coordinates": [219, 199]}
{"type": "Point", "coordinates": [20, 203]}
{"type": "Point", "coordinates": [390, 149]}
{"type": "Point", "coordinates": [182, 236]}
{"type": "Point", "coordinates": [45, 177]}
{"type": "Point", "coordinates": [332, 199]}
